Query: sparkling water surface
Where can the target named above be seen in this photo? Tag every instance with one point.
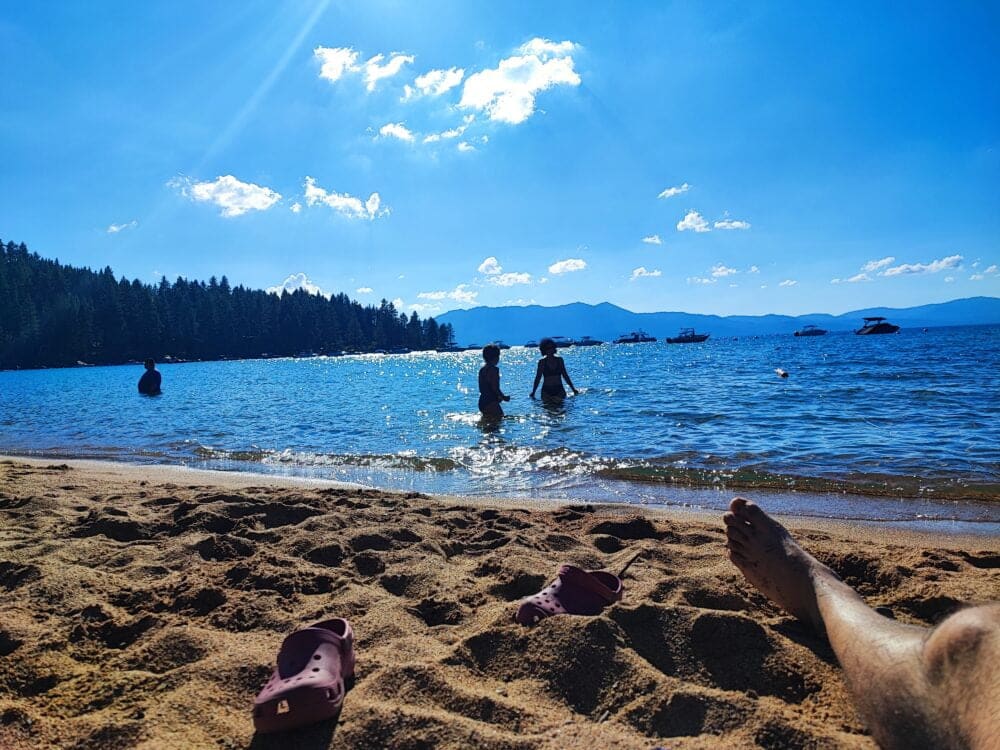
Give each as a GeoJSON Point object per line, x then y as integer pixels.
{"type": "Point", "coordinates": [912, 420]}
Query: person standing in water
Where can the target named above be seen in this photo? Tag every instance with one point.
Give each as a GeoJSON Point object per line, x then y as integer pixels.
{"type": "Point", "coordinates": [149, 383]}
{"type": "Point", "coordinates": [490, 394]}
{"type": "Point", "coordinates": [550, 373]}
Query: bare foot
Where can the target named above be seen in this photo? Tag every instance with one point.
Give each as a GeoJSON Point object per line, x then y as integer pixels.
{"type": "Point", "coordinates": [772, 561]}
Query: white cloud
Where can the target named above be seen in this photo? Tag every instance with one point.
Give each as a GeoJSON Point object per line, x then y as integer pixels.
{"type": "Point", "coordinates": [875, 265]}
{"type": "Point", "coordinates": [423, 309]}
{"type": "Point", "coordinates": [788, 282]}
{"type": "Point", "coordinates": [491, 266]}
{"type": "Point", "coordinates": [234, 197]}
{"type": "Point", "coordinates": [992, 270]}
{"type": "Point", "coordinates": [460, 293]}
{"type": "Point", "coordinates": [396, 130]}
{"type": "Point", "coordinates": [719, 270]}
{"type": "Point", "coordinates": [520, 302]}
{"type": "Point", "coordinates": [295, 282]}
{"type": "Point", "coordinates": [753, 269]}
{"type": "Point", "coordinates": [640, 272]}
{"type": "Point", "coordinates": [116, 228]}
{"type": "Point", "coordinates": [452, 132]}
{"type": "Point", "coordinates": [510, 279]}
{"type": "Point", "coordinates": [364, 290]}
{"type": "Point", "coordinates": [295, 207]}
{"type": "Point", "coordinates": [546, 48]}
{"type": "Point", "coordinates": [670, 192]}
{"type": "Point", "coordinates": [732, 224]}
{"type": "Point", "coordinates": [567, 266]}
{"type": "Point", "coordinates": [507, 93]}
{"type": "Point", "coordinates": [375, 71]}
{"type": "Point", "coordinates": [466, 146]}
{"type": "Point", "coordinates": [692, 221]}
{"type": "Point", "coordinates": [700, 280]}
{"type": "Point", "coordinates": [853, 280]}
{"type": "Point", "coordinates": [398, 303]}
{"type": "Point", "coordinates": [949, 279]}
{"type": "Point", "coordinates": [943, 264]}
{"type": "Point", "coordinates": [653, 239]}
{"type": "Point", "coordinates": [344, 204]}
{"type": "Point", "coordinates": [336, 61]}
{"type": "Point", "coordinates": [434, 83]}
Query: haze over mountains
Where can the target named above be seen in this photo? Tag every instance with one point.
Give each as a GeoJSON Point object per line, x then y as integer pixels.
{"type": "Point", "coordinates": [516, 325]}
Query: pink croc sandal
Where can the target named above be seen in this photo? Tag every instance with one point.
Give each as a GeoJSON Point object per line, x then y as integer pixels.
{"type": "Point", "coordinates": [307, 686]}
{"type": "Point", "coordinates": [574, 592]}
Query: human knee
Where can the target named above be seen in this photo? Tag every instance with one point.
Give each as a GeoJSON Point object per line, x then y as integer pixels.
{"type": "Point", "coordinates": [960, 643]}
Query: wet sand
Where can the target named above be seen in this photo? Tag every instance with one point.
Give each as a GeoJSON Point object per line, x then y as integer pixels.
{"type": "Point", "coordinates": [143, 606]}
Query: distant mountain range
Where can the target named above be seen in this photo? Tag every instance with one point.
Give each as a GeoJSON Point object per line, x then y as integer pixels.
{"type": "Point", "coordinates": [516, 325]}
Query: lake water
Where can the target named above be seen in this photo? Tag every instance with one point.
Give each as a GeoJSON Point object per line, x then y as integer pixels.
{"type": "Point", "coordinates": [903, 427]}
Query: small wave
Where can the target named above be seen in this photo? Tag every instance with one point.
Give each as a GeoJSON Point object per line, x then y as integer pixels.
{"type": "Point", "coordinates": [501, 461]}
{"type": "Point", "coordinates": [307, 459]}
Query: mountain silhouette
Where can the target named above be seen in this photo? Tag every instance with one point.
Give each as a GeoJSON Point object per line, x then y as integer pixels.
{"type": "Point", "coordinates": [604, 321]}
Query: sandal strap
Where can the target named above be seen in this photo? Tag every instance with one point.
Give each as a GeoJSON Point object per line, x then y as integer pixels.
{"type": "Point", "coordinates": [579, 577]}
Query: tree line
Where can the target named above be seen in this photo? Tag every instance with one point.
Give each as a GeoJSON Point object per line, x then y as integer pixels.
{"type": "Point", "coordinates": [55, 315]}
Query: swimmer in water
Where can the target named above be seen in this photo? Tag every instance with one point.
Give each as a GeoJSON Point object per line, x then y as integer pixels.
{"type": "Point", "coordinates": [149, 383]}
{"type": "Point", "coordinates": [490, 394]}
{"type": "Point", "coordinates": [550, 373]}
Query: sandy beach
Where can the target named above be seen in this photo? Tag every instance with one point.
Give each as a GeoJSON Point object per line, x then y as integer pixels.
{"type": "Point", "coordinates": [143, 607]}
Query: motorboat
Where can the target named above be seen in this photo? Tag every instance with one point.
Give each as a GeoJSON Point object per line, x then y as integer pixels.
{"type": "Point", "coordinates": [635, 337]}
{"type": "Point", "coordinates": [875, 325]}
{"type": "Point", "coordinates": [588, 341]}
{"type": "Point", "coordinates": [688, 336]}
{"type": "Point", "coordinates": [562, 342]}
{"type": "Point", "coordinates": [811, 330]}
{"type": "Point", "coordinates": [531, 345]}
{"type": "Point", "coordinates": [449, 349]}
{"type": "Point", "coordinates": [501, 345]}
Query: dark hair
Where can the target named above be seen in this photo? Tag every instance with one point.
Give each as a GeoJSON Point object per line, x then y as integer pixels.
{"type": "Point", "coordinates": [491, 352]}
{"type": "Point", "coordinates": [546, 345]}
{"type": "Point", "coordinates": [149, 364]}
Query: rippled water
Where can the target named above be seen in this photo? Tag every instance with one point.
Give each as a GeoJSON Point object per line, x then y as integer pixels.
{"type": "Point", "coordinates": [913, 416]}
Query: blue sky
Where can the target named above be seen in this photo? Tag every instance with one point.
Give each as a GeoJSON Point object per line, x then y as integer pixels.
{"type": "Point", "coordinates": [709, 157]}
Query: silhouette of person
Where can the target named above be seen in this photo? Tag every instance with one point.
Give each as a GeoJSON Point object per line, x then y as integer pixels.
{"type": "Point", "coordinates": [490, 394]}
{"type": "Point", "coordinates": [149, 383]}
{"type": "Point", "coordinates": [550, 373]}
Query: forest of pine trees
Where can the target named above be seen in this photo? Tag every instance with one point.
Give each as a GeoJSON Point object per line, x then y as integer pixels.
{"type": "Point", "coordinates": [54, 315]}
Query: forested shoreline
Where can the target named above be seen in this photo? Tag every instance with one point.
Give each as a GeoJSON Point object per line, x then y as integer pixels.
{"type": "Point", "coordinates": [55, 315]}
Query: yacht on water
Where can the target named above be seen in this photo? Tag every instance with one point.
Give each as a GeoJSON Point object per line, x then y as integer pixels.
{"type": "Point", "coordinates": [688, 336]}
{"type": "Point", "coordinates": [876, 324]}
{"type": "Point", "coordinates": [588, 341]}
{"type": "Point", "coordinates": [635, 337]}
{"type": "Point", "coordinates": [811, 330]}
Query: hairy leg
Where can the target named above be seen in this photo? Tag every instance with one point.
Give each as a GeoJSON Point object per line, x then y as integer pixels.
{"type": "Point", "coordinates": [915, 687]}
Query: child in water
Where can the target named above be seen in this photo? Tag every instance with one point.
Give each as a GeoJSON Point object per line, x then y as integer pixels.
{"type": "Point", "coordinates": [490, 394]}
{"type": "Point", "coordinates": [551, 370]}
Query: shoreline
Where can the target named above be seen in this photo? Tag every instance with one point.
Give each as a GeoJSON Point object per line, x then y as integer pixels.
{"type": "Point", "coordinates": [932, 531]}
{"type": "Point", "coordinates": [144, 607]}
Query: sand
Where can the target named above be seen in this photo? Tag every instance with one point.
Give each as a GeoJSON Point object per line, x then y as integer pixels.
{"type": "Point", "coordinates": [142, 607]}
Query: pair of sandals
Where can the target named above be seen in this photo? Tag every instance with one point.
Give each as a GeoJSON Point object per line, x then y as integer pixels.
{"type": "Point", "coordinates": [316, 664]}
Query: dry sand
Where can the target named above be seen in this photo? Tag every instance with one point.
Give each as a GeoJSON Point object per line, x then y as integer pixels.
{"type": "Point", "coordinates": [142, 607]}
